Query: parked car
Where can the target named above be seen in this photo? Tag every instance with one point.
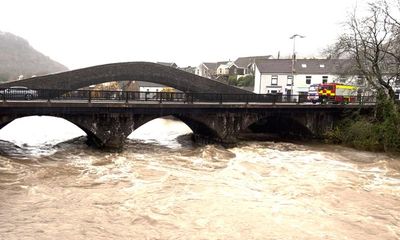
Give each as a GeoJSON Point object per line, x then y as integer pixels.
{"type": "Point", "coordinates": [18, 92]}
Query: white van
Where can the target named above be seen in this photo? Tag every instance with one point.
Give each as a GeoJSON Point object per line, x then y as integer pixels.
{"type": "Point", "coordinates": [313, 93]}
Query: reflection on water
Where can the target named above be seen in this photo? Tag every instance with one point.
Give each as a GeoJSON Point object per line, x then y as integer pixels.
{"type": "Point", "coordinates": [163, 188]}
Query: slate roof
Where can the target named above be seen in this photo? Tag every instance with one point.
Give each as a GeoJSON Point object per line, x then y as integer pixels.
{"type": "Point", "coordinates": [149, 84]}
{"type": "Point", "coordinates": [302, 66]}
{"type": "Point", "coordinates": [214, 65]}
{"type": "Point", "coordinates": [243, 62]}
{"type": "Point", "coordinates": [168, 64]}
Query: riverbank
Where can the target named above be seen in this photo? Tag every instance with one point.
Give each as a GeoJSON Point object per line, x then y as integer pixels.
{"type": "Point", "coordinates": [377, 133]}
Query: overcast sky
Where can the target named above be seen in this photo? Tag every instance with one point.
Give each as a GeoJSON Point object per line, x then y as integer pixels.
{"type": "Point", "coordinates": [80, 33]}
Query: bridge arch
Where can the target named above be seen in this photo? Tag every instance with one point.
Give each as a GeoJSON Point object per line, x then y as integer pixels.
{"type": "Point", "coordinates": [280, 126]}
{"type": "Point", "coordinates": [199, 128]}
{"type": "Point", "coordinates": [140, 71]}
{"type": "Point", "coordinates": [26, 129]}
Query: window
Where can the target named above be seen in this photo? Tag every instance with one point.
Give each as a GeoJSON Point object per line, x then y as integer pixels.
{"type": "Point", "coordinates": [303, 65]}
{"type": "Point", "coordinates": [274, 80]}
{"type": "Point", "coordinates": [308, 79]}
{"type": "Point", "coordinates": [289, 80]}
{"type": "Point", "coordinates": [360, 80]}
{"type": "Point", "coordinates": [322, 65]}
{"type": "Point", "coordinates": [324, 79]}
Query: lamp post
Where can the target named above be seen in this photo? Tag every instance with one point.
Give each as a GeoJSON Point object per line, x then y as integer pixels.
{"type": "Point", "coordinates": [294, 58]}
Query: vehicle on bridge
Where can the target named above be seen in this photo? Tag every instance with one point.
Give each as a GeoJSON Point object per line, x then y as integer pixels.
{"type": "Point", "coordinates": [313, 93]}
{"type": "Point", "coordinates": [337, 93]}
{"type": "Point", "coordinates": [18, 92]}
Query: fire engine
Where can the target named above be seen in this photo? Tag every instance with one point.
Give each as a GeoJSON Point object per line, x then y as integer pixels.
{"type": "Point", "coordinates": [337, 93]}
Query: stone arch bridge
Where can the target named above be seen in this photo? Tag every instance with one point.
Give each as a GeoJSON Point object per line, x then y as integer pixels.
{"type": "Point", "coordinates": [107, 125]}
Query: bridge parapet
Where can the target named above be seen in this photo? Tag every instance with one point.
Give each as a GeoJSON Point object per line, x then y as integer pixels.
{"type": "Point", "coordinates": [160, 97]}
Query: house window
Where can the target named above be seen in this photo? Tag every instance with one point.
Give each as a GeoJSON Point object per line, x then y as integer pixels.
{"type": "Point", "coordinates": [324, 79]}
{"type": "Point", "coordinates": [308, 79]}
{"type": "Point", "coordinates": [274, 80]}
{"type": "Point", "coordinates": [289, 80]}
{"type": "Point", "coordinates": [304, 65]}
{"type": "Point", "coordinates": [360, 80]}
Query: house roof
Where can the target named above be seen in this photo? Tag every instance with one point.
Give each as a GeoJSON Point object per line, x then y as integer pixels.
{"type": "Point", "coordinates": [214, 65]}
{"type": "Point", "coordinates": [243, 62]}
{"type": "Point", "coordinates": [302, 66]}
{"type": "Point", "coordinates": [149, 84]}
{"type": "Point", "coordinates": [168, 64]}
{"type": "Point", "coordinates": [226, 65]}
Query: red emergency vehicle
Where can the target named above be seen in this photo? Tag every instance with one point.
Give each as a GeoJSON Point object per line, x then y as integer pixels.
{"type": "Point", "coordinates": [337, 93]}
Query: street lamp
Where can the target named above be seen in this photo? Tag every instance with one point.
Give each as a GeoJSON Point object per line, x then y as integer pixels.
{"type": "Point", "coordinates": [294, 58]}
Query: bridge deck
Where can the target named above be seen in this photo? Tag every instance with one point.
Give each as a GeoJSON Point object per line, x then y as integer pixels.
{"type": "Point", "coordinates": [157, 105]}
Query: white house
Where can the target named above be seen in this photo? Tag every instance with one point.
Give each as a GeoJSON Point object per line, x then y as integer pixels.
{"type": "Point", "coordinates": [295, 77]}
{"type": "Point", "coordinates": [208, 69]}
{"type": "Point", "coordinates": [150, 87]}
{"type": "Point", "coordinates": [223, 69]}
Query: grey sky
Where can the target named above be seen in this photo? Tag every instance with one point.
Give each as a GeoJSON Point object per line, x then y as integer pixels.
{"type": "Point", "coordinates": [84, 33]}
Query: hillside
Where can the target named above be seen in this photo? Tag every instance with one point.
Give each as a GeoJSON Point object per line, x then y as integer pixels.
{"type": "Point", "coordinates": [17, 58]}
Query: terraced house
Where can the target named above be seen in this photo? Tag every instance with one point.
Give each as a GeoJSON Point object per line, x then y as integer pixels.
{"type": "Point", "coordinates": [295, 77]}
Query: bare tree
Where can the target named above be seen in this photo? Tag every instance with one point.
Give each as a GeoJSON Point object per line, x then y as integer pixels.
{"type": "Point", "coordinates": [372, 42]}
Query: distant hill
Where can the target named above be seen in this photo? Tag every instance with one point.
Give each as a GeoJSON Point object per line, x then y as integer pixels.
{"type": "Point", "coordinates": [17, 58]}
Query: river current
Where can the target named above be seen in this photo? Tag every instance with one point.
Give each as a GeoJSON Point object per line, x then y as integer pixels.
{"type": "Point", "coordinates": [163, 186]}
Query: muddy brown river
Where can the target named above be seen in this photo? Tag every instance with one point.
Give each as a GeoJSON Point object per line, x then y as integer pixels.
{"type": "Point", "coordinates": [163, 186]}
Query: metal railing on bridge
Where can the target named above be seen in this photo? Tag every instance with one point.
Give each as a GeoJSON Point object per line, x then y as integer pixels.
{"type": "Point", "coordinates": [12, 94]}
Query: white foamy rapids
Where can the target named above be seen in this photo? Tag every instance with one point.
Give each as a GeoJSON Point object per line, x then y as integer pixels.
{"type": "Point", "coordinates": [39, 130]}
{"type": "Point", "coordinates": [161, 131]}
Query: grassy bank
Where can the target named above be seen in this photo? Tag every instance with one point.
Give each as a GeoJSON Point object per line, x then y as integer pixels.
{"type": "Point", "coordinates": [377, 132]}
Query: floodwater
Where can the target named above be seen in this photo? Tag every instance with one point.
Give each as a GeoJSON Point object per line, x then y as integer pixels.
{"type": "Point", "coordinates": [162, 186]}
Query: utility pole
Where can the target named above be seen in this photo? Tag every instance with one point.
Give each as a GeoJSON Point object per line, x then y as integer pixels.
{"type": "Point", "coordinates": [294, 58]}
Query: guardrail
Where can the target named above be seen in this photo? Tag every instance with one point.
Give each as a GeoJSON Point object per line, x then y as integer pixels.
{"type": "Point", "coordinates": [160, 97]}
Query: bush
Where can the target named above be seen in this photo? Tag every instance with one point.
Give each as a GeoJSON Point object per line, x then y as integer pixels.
{"type": "Point", "coordinates": [232, 80]}
{"type": "Point", "coordinates": [246, 81]}
{"type": "Point", "coordinates": [381, 133]}
{"type": "Point", "coordinates": [361, 134]}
